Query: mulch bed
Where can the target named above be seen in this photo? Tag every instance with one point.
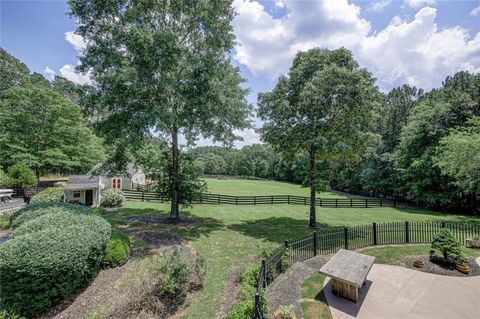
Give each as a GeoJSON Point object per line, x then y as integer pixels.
{"type": "Point", "coordinates": [155, 219]}
{"type": "Point", "coordinates": [440, 268]}
{"type": "Point", "coordinates": [155, 238]}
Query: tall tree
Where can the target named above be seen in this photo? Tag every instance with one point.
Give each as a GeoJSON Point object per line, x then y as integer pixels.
{"type": "Point", "coordinates": [318, 108]}
{"type": "Point", "coordinates": [164, 67]}
{"type": "Point", "coordinates": [46, 131]}
{"type": "Point", "coordinates": [12, 71]}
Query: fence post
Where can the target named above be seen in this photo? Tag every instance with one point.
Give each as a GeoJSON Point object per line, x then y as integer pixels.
{"type": "Point", "coordinates": [336, 202]}
{"type": "Point", "coordinates": [366, 203]}
{"type": "Point", "coordinates": [407, 233]}
{"type": "Point", "coordinates": [218, 199]}
{"type": "Point", "coordinates": [381, 202]}
{"type": "Point", "coordinates": [305, 201]}
{"type": "Point", "coordinates": [314, 243]}
{"type": "Point", "coordinates": [143, 196]}
{"type": "Point", "coordinates": [272, 199]}
{"type": "Point", "coordinates": [443, 224]}
{"type": "Point", "coordinates": [254, 200]}
{"type": "Point", "coordinates": [374, 233]}
{"type": "Point", "coordinates": [351, 202]}
{"type": "Point", "coordinates": [394, 202]}
{"type": "Point", "coordinates": [345, 233]}
{"type": "Point", "coordinates": [264, 274]}
{"type": "Point", "coordinates": [236, 200]}
{"type": "Point", "coordinates": [288, 199]}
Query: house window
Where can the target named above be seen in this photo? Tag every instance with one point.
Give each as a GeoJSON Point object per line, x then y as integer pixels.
{"type": "Point", "coordinates": [117, 183]}
{"type": "Point", "coordinates": [76, 194]}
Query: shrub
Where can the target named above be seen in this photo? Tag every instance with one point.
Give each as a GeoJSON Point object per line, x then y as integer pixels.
{"type": "Point", "coordinates": [35, 210]}
{"type": "Point", "coordinates": [57, 220]}
{"type": "Point", "coordinates": [50, 194]}
{"type": "Point", "coordinates": [112, 198]}
{"type": "Point", "coordinates": [285, 312]}
{"type": "Point", "coordinates": [117, 250]}
{"type": "Point", "coordinates": [21, 176]}
{"type": "Point", "coordinates": [4, 180]}
{"type": "Point", "coordinates": [245, 308]}
{"type": "Point", "coordinates": [4, 221]}
{"type": "Point", "coordinates": [447, 245]}
{"type": "Point", "coordinates": [41, 267]}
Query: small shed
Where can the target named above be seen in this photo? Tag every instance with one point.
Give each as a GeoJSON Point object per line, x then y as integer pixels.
{"type": "Point", "coordinates": [84, 190]}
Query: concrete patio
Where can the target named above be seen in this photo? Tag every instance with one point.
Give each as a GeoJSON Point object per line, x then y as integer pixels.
{"type": "Point", "coordinates": [398, 292]}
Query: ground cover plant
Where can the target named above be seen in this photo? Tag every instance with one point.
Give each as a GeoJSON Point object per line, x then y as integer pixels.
{"type": "Point", "coordinates": [117, 250]}
{"type": "Point", "coordinates": [53, 251]}
{"type": "Point", "coordinates": [228, 235]}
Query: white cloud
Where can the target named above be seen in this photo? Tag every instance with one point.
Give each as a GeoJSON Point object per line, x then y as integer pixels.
{"type": "Point", "coordinates": [475, 12]}
{"type": "Point", "coordinates": [379, 5]}
{"type": "Point", "coordinates": [68, 72]}
{"type": "Point", "coordinates": [49, 73]}
{"type": "Point", "coordinates": [414, 51]}
{"type": "Point", "coordinates": [418, 3]}
{"type": "Point", "coordinates": [76, 41]}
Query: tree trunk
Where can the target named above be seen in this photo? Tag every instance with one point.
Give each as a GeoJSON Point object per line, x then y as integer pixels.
{"type": "Point", "coordinates": [174, 210]}
{"type": "Point", "coordinates": [312, 173]}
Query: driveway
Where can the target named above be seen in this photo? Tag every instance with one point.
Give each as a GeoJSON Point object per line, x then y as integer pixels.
{"type": "Point", "coordinates": [397, 292]}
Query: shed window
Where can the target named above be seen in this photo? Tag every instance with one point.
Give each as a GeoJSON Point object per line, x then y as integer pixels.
{"type": "Point", "coordinates": [76, 194]}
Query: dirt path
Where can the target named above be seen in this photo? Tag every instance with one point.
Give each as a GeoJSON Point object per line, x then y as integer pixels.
{"type": "Point", "coordinates": [287, 288]}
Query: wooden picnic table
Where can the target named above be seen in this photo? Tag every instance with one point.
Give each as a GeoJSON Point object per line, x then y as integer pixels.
{"type": "Point", "coordinates": [348, 270]}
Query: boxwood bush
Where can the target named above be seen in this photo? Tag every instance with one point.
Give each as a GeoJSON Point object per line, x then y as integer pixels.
{"type": "Point", "coordinates": [112, 198]}
{"type": "Point", "coordinates": [118, 249]}
{"type": "Point", "coordinates": [39, 268]}
{"type": "Point", "coordinates": [57, 220]}
{"type": "Point", "coordinates": [35, 210]}
{"type": "Point", "coordinates": [50, 194]}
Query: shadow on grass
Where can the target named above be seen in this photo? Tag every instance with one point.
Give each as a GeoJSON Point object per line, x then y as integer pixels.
{"type": "Point", "coordinates": [276, 229]}
{"type": "Point", "coordinates": [202, 226]}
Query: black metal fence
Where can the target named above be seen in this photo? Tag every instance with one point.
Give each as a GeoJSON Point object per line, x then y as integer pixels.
{"type": "Point", "coordinates": [207, 198]}
{"type": "Point", "coordinates": [333, 239]}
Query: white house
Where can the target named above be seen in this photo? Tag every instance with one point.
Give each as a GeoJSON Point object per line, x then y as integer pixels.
{"type": "Point", "coordinates": [86, 189]}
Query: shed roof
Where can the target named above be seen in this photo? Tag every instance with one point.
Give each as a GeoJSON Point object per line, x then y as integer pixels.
{"type": "Point", "coordinates": [81, 186]}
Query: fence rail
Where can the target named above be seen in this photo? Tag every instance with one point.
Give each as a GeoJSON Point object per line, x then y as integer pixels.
{"type": "Point", "coordinates": [330, 241]}
{"type": "Point", "coordinates": [207, 198]}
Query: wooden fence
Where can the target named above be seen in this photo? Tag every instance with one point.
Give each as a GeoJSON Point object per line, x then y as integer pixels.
{"type": "Point", "coordinates": [207, 198]}
{"type": "Point", "coordinates": [329, 241]}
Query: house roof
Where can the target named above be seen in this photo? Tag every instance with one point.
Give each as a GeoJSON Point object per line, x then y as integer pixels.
{"type": "Point", "coordinates": [81, 186]}
{"type": "Point", "coordinates": [131, 170]}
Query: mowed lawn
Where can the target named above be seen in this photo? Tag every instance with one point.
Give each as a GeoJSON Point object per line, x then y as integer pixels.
{"type": "Point", "coordinates": [243, 187]}
{"type": "Point", "coordinates": [229, 236]}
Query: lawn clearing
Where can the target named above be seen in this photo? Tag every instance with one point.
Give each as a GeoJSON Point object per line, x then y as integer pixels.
{"type": "Point", "coordinates": [229, 235]}
{"type": "Point", "coordinates": [244, 187]}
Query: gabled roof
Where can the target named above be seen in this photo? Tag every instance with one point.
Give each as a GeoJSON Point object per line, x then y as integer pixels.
{"type": "Point", "coordinates": [81, 186]}
{"type": "Point", "coordinates": [130, 171]}
{"type": "Point", "coordinates": [82, 179]}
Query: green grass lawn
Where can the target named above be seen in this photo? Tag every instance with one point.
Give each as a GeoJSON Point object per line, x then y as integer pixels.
{"type": "Point", "coordinates": [227, 235]}
{"type": "Point", "coordinates": [242, 187]}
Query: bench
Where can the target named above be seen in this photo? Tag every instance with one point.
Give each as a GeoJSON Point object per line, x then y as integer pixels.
{"type": "Point", "coordinates": [348, 270]}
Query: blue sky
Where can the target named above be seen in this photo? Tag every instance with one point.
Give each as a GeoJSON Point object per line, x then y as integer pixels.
{"type": "Point", "coordinates": [417, 42]}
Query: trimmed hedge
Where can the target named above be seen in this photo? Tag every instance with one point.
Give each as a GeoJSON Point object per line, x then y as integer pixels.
{"type": "Point", "coordinates": [117, 250]}
{"type": "Point", "coordinates": [35, 210]}
{"type": "Point", "coordinates": [50, 194]}
{"type": "Point", "coordinates": [55, 249]}
{"type": "Point", "coordinates": [58, 220]}
{"type": "Point", "coordinates": [112, 198]}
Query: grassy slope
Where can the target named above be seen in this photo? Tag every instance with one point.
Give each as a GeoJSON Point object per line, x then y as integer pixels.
{"type": "Point", "coordinates": [226, 235]}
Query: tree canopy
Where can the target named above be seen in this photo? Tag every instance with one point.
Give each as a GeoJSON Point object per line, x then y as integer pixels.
{"type": "Point", "coordinates": [319, 108]}
{"type": "Point", "coordinates": [161, 67]}
{"type": "Point", "coordinates": [45, 131]}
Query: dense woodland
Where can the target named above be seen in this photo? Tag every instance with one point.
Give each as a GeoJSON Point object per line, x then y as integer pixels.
{"type": "Point", "coordinates": [424, 146]}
